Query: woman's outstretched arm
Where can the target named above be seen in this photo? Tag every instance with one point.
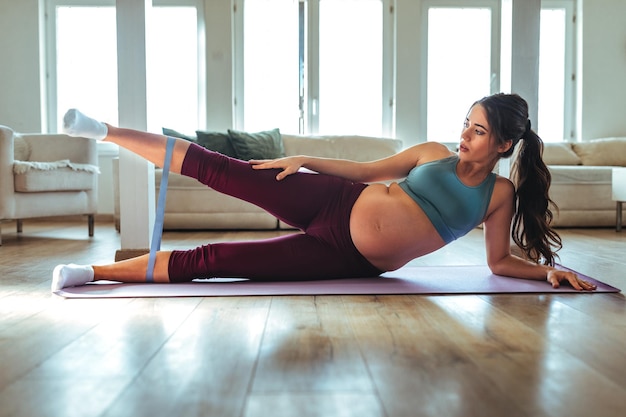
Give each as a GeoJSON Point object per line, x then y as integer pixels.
{"type": "Point", "coordinates": [390, 168]}
{"type": "Point", "coordinates": [497, 231]}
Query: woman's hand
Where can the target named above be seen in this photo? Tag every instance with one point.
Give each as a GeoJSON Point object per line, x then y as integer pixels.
{"type": "Point", "coordinates": [288, 165]}
{"type": "Point", "coordinates": [556, 276]}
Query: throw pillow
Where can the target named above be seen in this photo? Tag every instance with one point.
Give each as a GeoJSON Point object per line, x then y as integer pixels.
{"type": "Point", "coordinates": [602, 152]}
{"type": "Point", "coordinates": [260, 145]}
{"type": "Point", "coordinates": [559, 154]}
{"type": "Point", "coordinates": [218, 142]}
{"type": "Point", "coordinates": [175, 134]}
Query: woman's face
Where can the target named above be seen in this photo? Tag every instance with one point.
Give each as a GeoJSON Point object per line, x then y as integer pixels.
{"type": "Point", "coordinates": [477, 140]}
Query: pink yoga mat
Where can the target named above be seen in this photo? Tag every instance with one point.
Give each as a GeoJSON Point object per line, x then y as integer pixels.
{"type": "Point", "coordinates": [407, 280]}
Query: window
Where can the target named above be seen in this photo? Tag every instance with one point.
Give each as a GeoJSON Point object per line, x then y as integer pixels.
{"type": "Point", "coordinates": [85, 74]}
{"type": "Point", "coordinates": [304, 72]}
{"type": "Point", "coordinates": [556, 107]}
{"type": "Point", "coordinates": [460, 63]}
{"type": "Point", "coordinates": [82, 63]}
{"type": "Point", "coordinates": [351, 67]}
{"type": "Point", "coordinates": [172, 68]}
{"type": "Point", "coordinates": [271, 67]}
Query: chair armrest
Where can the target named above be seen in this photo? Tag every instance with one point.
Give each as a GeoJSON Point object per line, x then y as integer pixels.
{"type": "Point", "coordinates": [55, 147]}
{"type": "Point", "coordinates": [6, 172]}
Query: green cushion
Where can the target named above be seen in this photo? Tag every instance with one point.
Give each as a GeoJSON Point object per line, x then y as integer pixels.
{"type": "Point", "coordinates": [260, 145]}
{"type": "Point", "coordinates": [218, 142]}
{"type": "Point", "coordinates": [175, 134]}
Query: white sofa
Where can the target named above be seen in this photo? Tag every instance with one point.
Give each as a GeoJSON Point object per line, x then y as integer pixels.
{"type": "Point", "coordinates": [581, 183]}
{"type": "Point", "coordinates": [581, 180]}
{"type": "Point", "coordinates": [192, 205]}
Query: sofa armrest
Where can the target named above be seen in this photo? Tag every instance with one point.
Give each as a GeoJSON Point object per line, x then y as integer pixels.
{"type": "Point", "coordinates": [55, 147]}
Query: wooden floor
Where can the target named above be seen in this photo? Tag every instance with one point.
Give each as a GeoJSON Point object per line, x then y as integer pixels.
{"type": "Point", "coordinates": [337, 356]}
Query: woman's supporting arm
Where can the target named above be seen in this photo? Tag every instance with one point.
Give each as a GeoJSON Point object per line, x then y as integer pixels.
{"type": "Point", "coordinates": [497, 231]}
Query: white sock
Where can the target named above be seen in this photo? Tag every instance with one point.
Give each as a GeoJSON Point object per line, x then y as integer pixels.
{"type": "Point", "coordinates": [77, 124]}
{"type": "Point", "coordinates": [71, 275]}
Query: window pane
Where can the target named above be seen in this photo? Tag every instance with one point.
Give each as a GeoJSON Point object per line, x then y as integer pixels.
{"type": "Point", "coordinates": [552, 75]}
{"type": "Point", "coordinates": [87, 65]}
{"type": "Point", "coordinates": [459, 67]}
{"type": "Point", "coordinates": [350, 73]}
{"type": "Point", "coordinates": [86, 57]}
{"type": "Point", "coordinates": [172, 69]}
{"type": "Point", "coordinates": [271, 62]}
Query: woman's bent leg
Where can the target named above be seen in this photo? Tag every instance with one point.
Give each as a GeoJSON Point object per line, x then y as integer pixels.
{"type": "Point", "coordinates": [292, 257]}
{"type": "Point", "coordinates": [134, 269]}
{"type": "Point", "coordinates": [325, 251]}
{"type": "Point", "coordinates": [130, 270]}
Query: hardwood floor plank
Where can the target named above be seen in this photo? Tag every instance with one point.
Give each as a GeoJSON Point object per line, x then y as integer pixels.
{"type": "Point", "coordinates": [572, 331]}
{"type": "Point", "coordinates": [417, 371]}
{"type": "Point", "coordinates": [313, 404]}
{"type": "Point", "coordinates": [541, 351]}
{"type": "Point", "coordinates": [68, 396]}
{"type": "Point", "coordinates": [308, 346]}
{"type": "Point", "coordinates": [33, 341]}
{"type": "Point", "coordinates": [205, 367]}
{"type": "Point", "coordinates": [110, 341]}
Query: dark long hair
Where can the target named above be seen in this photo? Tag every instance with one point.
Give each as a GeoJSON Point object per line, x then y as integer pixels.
{"type": "Point", "coordinates": [507, 115]}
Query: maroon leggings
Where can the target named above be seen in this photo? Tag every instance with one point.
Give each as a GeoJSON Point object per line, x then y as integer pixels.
{"type": "Point", "coordinates": [319, 205]}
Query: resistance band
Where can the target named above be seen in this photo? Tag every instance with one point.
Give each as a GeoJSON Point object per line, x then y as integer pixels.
{"type": "Point", "coordinates": [157, 231]}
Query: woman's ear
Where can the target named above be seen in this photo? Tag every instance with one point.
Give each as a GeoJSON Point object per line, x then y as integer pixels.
{"type": "Point", "coordinates": [504, 147]}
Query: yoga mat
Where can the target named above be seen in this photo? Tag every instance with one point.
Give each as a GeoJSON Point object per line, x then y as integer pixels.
{"type": "Point", "coordinates": [407, 280]}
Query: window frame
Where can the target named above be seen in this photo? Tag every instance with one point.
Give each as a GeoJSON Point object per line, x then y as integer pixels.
{"type": "Point", "coordinates": [569, 96]}
{"type": "Point", "coordinates": [496, 40]}
{"type": "Point", "coordinates": [50, 44]}
{"type": "Point", "coordinates": [310, 103]}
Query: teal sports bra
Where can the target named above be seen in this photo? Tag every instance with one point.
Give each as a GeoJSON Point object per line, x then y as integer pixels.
{"type": "Point", "coordinates": [452, 207]}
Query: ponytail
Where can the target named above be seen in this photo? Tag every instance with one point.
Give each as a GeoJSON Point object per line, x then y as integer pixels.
{"type": "Point", "coordinates": [532, 230]}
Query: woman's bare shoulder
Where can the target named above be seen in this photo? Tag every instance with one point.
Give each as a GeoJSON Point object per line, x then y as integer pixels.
{"type": "Point", "coordinates": [432, 151]}
{"type": "Point", "coordinates": [503, 192]}
{"type": "Point", "coordinates": [502, 201]}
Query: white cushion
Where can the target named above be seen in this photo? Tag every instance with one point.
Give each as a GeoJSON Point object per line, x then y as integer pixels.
{"type": "Point", "coordinates": [356, 148]}
{"type": "Point", "coordinates": [53, 176]}
{"type": "Point", "coordinates": [560, 154]}
{"type": "Point", "coordinates": [602, 152]}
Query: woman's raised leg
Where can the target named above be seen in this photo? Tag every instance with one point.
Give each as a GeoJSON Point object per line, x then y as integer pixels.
{"type": "Point", "coordinates": [147, 145]}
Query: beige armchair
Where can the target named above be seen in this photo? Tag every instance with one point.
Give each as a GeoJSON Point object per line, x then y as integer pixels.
{"type": "Point", "coordinates": [45, 175]}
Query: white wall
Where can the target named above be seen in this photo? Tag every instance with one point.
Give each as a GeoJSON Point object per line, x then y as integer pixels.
{"type": "Point", "coordinates": [20, 86]}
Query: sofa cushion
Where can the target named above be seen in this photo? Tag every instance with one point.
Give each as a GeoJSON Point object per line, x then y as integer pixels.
{"type": "Point", "coordinates": [63, 179]}
{"type": "Point", "coordinates": [260, 145]}
{"type": "Point", "coordinates": [176, 134]}
{"type": "Point", "coordinates": [580, 175]}
{"type": "Point", "coordinates": [31, 177]}
{"type": "Point", "coordinates": [216, 141]}
{"type": "Point", "coordinates": [602, 152]}
{"type": "Point", "coordinates": [560, 154]}
{"type": "Point", "coordinates": [356, 148]}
